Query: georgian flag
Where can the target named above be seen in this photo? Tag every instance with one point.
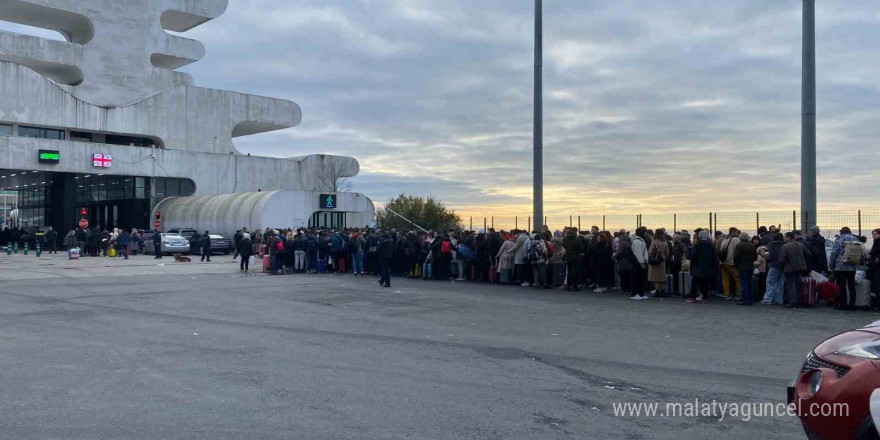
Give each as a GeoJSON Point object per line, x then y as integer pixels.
{"type": "Point", "coordinates": [102, 160]}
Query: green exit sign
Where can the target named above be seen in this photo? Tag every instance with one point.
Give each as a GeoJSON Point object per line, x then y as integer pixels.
{"type": "Point", "coordinates": [50, 157]}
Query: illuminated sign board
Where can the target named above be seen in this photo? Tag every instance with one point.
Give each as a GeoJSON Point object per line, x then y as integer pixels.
{"type": "Point", "coordinates": [50, 157]}
{"type": "Point", "coordinates": [327, 201]}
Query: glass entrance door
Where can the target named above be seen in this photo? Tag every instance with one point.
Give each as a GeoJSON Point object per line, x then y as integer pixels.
{"type": "Point", "coordinates": [328, 220]}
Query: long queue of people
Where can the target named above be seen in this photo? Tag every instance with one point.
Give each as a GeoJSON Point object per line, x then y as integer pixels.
{"type": "Point", "coordinates": [771, 268]}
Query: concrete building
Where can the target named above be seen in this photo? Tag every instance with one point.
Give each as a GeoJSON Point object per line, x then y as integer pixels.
{"type": "Point", "coordinates": [103, 127]}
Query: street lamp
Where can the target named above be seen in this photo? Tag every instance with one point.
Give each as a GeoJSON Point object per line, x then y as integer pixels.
{"type": "Point", "coordinates": [808, 119]}
{"type": "Point", "coordinates": [538, 135]}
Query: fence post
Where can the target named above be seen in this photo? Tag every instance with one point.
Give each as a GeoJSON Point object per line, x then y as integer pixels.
{"type": "Point", "coordinates": [716, 226]}
{"type": "Point", "coordinates": [757, 221]}
{"type": "Point", "coordinates": [545, 223]}
{"type": "Point", "coordinates": [570, 221]}
{"type": "Point", "coordinates": [530, 226]}
{"type": "Point", "coordinates": [579, 223]}
{"type": "Point", "coordinates": [603, 223]}
{"type": "Point", "coordinates": [485, 225]}
{"type": "Point", "coordinates": [860, 223]}
{"type": "Point", "coordinates": [516, 223]}
{"type": "Point", "coordinates": [674, 223]}
{"type": "Point", "coordinates": [493, 222]}
{"type": "Point", "coordinates": [794, 220]}
{"type": "Point", "coordinates": [472, 224]}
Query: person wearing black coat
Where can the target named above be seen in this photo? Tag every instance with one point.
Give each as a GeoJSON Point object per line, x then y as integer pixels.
{"type": "Point", "coordinates": [205, 244]}
{"type": "Point", "coordinates": [820, 258]}
{"type": "Point", "coordinates": [312, 253]}
{"type": "Point", "coordinates": [411, 252]}
{"type": "Point", "coordinates": [702, 267]}
{"type": "Point", "coordinates": [874, 269]}
{"type": "Point", "coordinates": [51, 241]}
{"type": "Point", "coordinates": [82, 238]}
{"type": "Point", "coordinates": [94, 241]}
{"type": "Point", "coordinates": [386, 255]}
{"type": "Point", "coordinates": [245, 249]}
{"type": "Point", "coordinates": [157, 244]}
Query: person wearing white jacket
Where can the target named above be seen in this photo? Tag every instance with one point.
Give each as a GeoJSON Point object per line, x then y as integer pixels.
{"type": "Point", "coordinates": [639, 274]}
{"type": "Point", "coordinates": [519, 254]}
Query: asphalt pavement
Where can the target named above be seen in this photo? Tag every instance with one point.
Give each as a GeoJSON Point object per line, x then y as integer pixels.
{"type": "Point", "coordinates": [222, 356]}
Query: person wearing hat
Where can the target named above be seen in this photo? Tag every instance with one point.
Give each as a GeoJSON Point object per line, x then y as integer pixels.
{"type": "Point", "coordinates": [820, 258]}
{"type": "Point", "coordinates": [205, 243]}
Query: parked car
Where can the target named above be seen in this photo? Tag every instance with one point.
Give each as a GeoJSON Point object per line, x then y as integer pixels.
{"type": "Point", "coordinates": [843, 370]}
{"type": "Point", "coordinates": [171, 244]}
{"type": "Point", "coordinates": [190, 234]}
{"type": "Point", "coordinates": [220, 244]}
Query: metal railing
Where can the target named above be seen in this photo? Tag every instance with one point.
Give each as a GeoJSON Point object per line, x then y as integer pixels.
{"type": "Point", "coordinates": [829, 221]}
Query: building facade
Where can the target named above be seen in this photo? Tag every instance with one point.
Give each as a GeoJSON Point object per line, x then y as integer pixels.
{"type": "Point", "coordinates": [103, 127]}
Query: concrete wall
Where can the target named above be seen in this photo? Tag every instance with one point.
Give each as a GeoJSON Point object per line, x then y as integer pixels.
{"type": "Point", "coordinates": [226, 213]}
{"type": "Point", "coordinates": [183, 117]}
{"type": "Point", "coordinates": [212, 173]}
{"type": "Point", "coordinates": [121, 47]}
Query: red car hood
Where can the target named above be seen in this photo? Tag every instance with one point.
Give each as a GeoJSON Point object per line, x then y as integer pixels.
{"type": "Point", "coordinates": [842, 340]}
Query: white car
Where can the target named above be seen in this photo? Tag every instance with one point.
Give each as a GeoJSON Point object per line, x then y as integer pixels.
{"type": "Point", "coordinates": [171, 244]}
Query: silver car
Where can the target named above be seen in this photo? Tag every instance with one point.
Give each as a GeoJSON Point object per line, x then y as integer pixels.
{"type": "Point", "coordinates": [171, 244]}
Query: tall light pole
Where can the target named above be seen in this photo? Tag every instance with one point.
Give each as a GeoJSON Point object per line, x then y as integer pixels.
{"type": "Point", "coordinates": [808, 119]}
{"type": "Point", "coordinates": [538, 136]}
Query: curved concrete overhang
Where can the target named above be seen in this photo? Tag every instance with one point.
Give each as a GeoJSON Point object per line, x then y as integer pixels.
{"type": "Point", "coordinates": [184, 15]}
{"type": "Point", "coordinates": [77, 28]}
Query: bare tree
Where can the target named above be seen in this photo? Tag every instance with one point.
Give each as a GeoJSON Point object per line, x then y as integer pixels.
{"type": "Point", "coordinates": [332, 177]}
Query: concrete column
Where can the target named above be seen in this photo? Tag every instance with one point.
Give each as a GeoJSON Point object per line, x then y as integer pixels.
{"type": "Point", "coordinates": [538, 140]}
{"type": "Point", "coordinates": [808, 121]}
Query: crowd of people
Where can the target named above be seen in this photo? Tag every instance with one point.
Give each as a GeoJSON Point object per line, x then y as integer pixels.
{"type": "Point", "coordinates": [769, 268]}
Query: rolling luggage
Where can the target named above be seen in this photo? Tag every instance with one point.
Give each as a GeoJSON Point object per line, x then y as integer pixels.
{"type": "Point", "coordinates": [684, 282]}
{"type": "Point", "coordinates": [670, 286]}
{"type": "Point", "coordinates": [493, 272]}
{"type": "Point", "coordinates": [73, 254]}
{"type": "Point", "coordinates": [506, 276]}
{"type": "Point", "coordinates": [809, 292]}
{"type": "Point", "coordinates": [829, 292]}
{"type": "Point", "coordinates": [322, 266]}
{"type": "Point", "coordinates": [559, 275]}
{"type": "Point", "coordinates": [267, 264]}
{"type": "Point", "coordinates": [111, 252]}
{"type": "Point", "coordinates": [863, 294]}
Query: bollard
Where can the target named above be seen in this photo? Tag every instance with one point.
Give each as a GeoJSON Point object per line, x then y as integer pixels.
{"type": "Point", "coordinates": [39, 249]}
{"type": "Point", "coordinates": [25, 248]}
{"type": "Point", "coordinates": [8, 249]}
{"type": "Point", "coordinates": [15, 248]}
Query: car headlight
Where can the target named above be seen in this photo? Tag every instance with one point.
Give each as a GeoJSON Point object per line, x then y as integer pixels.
{"type": "Point", "coordinates": [865, 350]}
{"type": "Point", "coordinates": [815, 382]}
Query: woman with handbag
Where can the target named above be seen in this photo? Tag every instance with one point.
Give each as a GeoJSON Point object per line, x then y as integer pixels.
{"type": "Point", "coordinates": [658, 254]}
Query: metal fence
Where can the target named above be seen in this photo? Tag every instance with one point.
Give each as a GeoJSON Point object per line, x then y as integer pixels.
{"type": "Point", "coordinates": [861, 222]}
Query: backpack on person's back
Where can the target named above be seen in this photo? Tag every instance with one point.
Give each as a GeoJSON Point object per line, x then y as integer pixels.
{"type": "Point", "coordinates": [852, 253]}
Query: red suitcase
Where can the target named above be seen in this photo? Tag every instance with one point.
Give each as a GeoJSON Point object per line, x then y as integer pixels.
{"type": "Point", "coordinates": [809, 292]}
{"type": "Point", "coordinates": [829, 292]}
{"type": "Point", "coordinates": [492, 274]}
{"type": "Point", "coordinates": [266, 264]}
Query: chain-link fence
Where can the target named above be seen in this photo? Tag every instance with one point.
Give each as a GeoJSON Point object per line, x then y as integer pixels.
{"type": "Point", "coordinates": [830, 222]}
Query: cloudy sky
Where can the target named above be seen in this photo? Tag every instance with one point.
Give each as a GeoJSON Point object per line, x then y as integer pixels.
{"type": "Point", "coordinates": [650, 106]}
